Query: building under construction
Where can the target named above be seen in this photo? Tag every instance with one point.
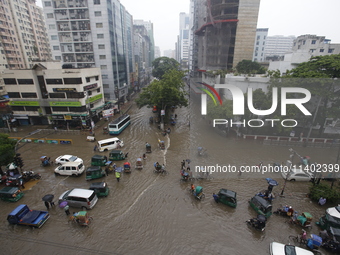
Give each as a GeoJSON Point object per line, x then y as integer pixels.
{"type": "Point", "coordinates": [223, 33]}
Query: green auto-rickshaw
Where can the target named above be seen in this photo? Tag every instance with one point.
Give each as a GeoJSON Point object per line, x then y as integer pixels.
{"type": "Point", "coordinates": [116, 155]}
{"type": "Point", "coordinates": [100, 188]}
{"type": "Point", "coordinates": [11, 194]}
{"type": "Point", "coordinates": [98, 160]}
{"type": "Point", "coordinates": [94, 172]}
{"type": "Point", "coordinates": [227, 197]}
{"type": "Point", "coordinates": [261, 206]}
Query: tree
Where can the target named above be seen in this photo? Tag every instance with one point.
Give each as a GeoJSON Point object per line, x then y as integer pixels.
{"type": "Point", "coordinates": [7, 150]}
{"type": "Point", "coordinates": [249, 67]}
{"type": "Point", "coordinates": [321, 73]}
{"type": "Point", "coordinates": [162, 65]}
{"type": "Point", "coordinates": [165, 93]}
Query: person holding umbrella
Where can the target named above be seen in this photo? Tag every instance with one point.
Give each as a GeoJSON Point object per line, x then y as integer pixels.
{"type": "Point", "coordinates": [48, 200]}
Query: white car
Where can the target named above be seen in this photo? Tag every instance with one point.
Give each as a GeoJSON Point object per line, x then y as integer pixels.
{"type": "Point", "coordinates": [286, 249]}
{"type": "Point", "coordinates": [297, 174]}
{"type": "Point", "coordinates": [67, 158]}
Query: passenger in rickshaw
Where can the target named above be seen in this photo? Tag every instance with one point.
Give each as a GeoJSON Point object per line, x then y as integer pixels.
{"type": "Point", "coordinates": [139, 161]}
{"type": "Point", "coordinates": [144, 156]}
{"type": "Point", "coordinates": [127, 165]}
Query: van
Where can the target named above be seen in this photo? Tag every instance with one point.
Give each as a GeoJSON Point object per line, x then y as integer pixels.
{"type": "Point", "coordinates": [110, 144]}
{"type": "Point", "coordinates": [82, 198]}
{"type": "Point", "coordinates": [70, 168]}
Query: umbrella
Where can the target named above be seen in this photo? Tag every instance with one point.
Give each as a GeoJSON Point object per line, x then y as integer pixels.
{"type": "Point", "coordinates": [48, 198]}
{"type": "Point", "coordinates": [119, 169]}
{"type": "Point", "coordinates": [63, 204]}
{"type": "Point", "coordinates": [272, 182]}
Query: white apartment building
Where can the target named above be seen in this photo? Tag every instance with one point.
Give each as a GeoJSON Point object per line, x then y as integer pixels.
{"type": "Point", "coordinates": [49, 94]}
{"type": "Point", "coordinates": [305, 47]}
{"type": "Point", "coordinates": [260, 44]}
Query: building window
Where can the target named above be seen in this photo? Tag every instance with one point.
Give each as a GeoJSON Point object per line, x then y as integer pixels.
{"type": "Point", "coordinates": [100, 36]}
{"type": "Point", "coordinates": [105, 76]}
{"type": "Point", "coordinates": [54, 81]}
{"type": "Point", "coordinates": [88, 79]}
{"type": "Point", "coordinates": [18, 108]}
{"type": "Point", "coordinates": [55, 47]}
{"type": "Point", "coordinates": [106, 86]}
{"type": "Point", "coordinates": [10, 81]}
{"type": "Point", "coordinates": [96, 1]}
{"type": "Point", "coordinates": [101, 46]}
{"type": "Point", "coordinates": [25, 81]}
{"type": "Point", "coordinates": [313, 41]}
{"type": "Point", "coordinates": [51, 26]}
{"type": "Point", "coordinates": [54, 37]}
{"type": "Point", "coordinates": [103, 67]}
{"type": "Point", "coordinates": [57, 57]}
{"type": "Point", "coordinates": [72, 81]}
{"type": "Point", "coordinates": [322, 50]}
{"type": "Point", "coordinates": [50, 15]}
{"type": "Point", "coordinates": [29, 95]}
{"type": "Point", "coordinates": [102, 56]}
{"type": "Point", "coordinates": [14, 95]}
{"type": "Point", "coordinates": [330, 50]}
{"type": "Point", "coordinates": [99, 25]}
{"type": "Point", "coordinates": [57, 95]}
{"type": "Point", "coordinates": [60, 109]}
{"type": "Point", "coordinates": [32, 108]}
{"type": "Point", "coordinates": [97, 14]}
{"type": "Point", "coordinates": [47, 3]}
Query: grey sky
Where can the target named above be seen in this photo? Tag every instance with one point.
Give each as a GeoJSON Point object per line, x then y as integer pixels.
{"type": "Point", "coordinates": [288, 17]}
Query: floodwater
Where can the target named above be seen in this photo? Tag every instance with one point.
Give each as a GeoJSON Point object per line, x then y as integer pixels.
{"type": "Point", "coordinates": [146, 213]}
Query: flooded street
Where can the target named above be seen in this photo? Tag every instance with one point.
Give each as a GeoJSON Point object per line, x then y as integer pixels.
{"type": "Point", "coordinates": [146, 213]}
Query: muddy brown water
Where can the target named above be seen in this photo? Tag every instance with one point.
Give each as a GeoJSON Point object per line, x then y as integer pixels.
{"type": "Point", "coordinates": [146, 213]}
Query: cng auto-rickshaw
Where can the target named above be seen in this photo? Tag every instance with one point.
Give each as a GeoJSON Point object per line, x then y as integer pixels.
{"type": "Point", "coordinates": [330, 219]}
{"type": "Point", "coordinates": [116, 155]}
{"type": "Point", "coordinates": [11, 194]}
{"type": "Point", "coordinates": [227, 197]}
{"type": "Point", "coordinates": [261, 206]}
{"type": "Point", "coordinates": [100, 188]}
{"type": "Point", "coordinates": [94, 172]}
{"type": "Point", "coordinates": [98, 160]}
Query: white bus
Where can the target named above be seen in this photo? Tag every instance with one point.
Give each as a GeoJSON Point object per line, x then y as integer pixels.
{"type": "Point", "coordinates": [110, 144]}
{"type": "Point", "coordinates": [118, 125]}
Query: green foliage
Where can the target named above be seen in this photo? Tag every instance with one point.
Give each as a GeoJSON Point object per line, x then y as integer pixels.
{"type": "Point", "coordinates": [250, 67]}
{"type": "Point", "coordinates": [324, 190]}
{"type": "Point", "coordinates": [162, 65]}
{"type": "Point", "coordinates": [164, 93]}
{"type": "Point", "coordinates": [224, 111]}
{"type": "Point", "coordinates": [7, 150]}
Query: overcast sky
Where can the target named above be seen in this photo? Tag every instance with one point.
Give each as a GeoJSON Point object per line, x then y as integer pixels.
{"type": "Point", "coordinates": [288, 17]}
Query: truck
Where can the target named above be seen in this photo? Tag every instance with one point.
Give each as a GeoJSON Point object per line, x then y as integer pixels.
{"type": "Point", "coordinates": [22, 215]}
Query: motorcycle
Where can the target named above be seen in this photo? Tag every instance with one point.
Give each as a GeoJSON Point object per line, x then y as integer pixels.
{"type": "Point", "coordinates": [30, 175]}
{"type": "Point", "coordinates": [259, 223]}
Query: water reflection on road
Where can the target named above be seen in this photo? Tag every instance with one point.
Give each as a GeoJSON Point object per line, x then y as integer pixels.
{"type": "Point", "coordinates": [147, 213]}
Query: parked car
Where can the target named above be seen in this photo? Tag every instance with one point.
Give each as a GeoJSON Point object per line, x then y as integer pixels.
{"type": "Point", "coordinates": [82, 198]}
{"type": "Point", "coordinates": [297, 174]}
{"type": "Point", "coordinates": [67, 158]}
{"type": "Point", "coordinates": [71, 168]}
{"type": "Point", "coordinates": [286, 249]}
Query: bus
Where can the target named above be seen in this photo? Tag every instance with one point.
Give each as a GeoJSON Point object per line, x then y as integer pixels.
{"type": "Point", "coordinates": [110, 144]}
{"type": "Point", "coordinates": [118, 125]}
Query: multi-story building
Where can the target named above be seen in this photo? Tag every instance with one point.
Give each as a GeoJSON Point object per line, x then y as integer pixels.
{"type": "Point", "coordinates": [23, 34]}
{"type": "Point", "coordinates": [277, 46]}
{"type": "Point", "coordinates": [183, 43]}
{"type": "Point", "coordinates": [304, 47]}
{"type": "Point", "coordinates": [224, 33]}
{"type": "Point", "coordinates": [49, 93]}
{"type": "Point", "coordinates": [141, 50]}
{"type": "Point", "coordinates": [149, 28]}
{"type": "Point", "coordinates": [93, 34]}
{"type": "Point", "coordinates": [260, 44]}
